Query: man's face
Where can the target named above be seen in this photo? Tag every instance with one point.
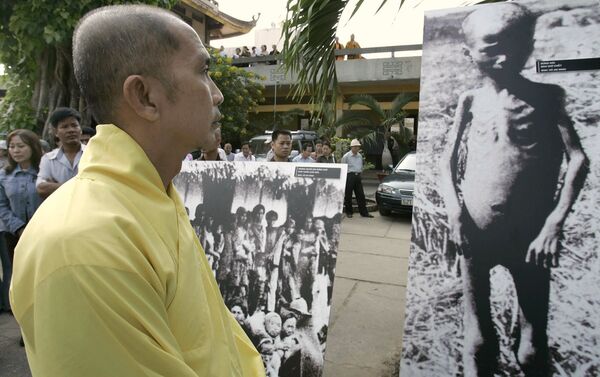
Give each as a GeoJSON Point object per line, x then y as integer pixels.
{"type": "Point", "coordinates": [68, 131]}
{"type": "Point", "coordinates": [282, 146]}
{"type": "Point", "coordinates": [290, 227]}
{"type": "Point", "coordinates": [260, 214]}
{"type": "Point", "coordinates": [355, 149]}
{"type": "Point", "coordinates": [246, 150]}
{"type": "Point", "coordinates": [306, 152]}
{"type": "Point", "coordinates": [190, 115]}
{"type": "Point", "coordinates": [238, 313]}
{"type": "Point", "coordinates": [85, 138]}
{"type": "Point", "coordinates": [289, 326]}
{"type": "Point", "coordinates": [326, 150]}
{"type": "Point", "coordinates": [227, 148]}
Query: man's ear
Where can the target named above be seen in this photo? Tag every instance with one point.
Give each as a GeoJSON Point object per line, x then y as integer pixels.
{"type": "Point", "coordinates": [139, 93]}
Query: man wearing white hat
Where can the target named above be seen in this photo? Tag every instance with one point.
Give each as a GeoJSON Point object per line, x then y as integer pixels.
{"type": "Point", "coordinates": [353, 180]}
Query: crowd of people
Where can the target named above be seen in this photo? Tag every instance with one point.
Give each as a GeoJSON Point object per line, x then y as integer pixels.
{"type": "Point", "coordinates": [277, 281]}
{"type": "Point", "coordinates": [321, 151]}
{"type": "Point", "coordinates": [281, 144]}
{"type": "Point", "coordinates": [245, 52]}
{"type": "Point", "coordinates": [252, 52]}
{"type": "Point", "coordinates": [30, 172]}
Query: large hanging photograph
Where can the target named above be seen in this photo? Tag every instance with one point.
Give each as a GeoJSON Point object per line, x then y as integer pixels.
{"type": "Point", "coordinates": [504, 268]}
{"type": "Point", "coordinates": [270, 232]}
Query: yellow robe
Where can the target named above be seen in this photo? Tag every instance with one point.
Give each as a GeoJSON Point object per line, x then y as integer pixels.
{"type": "Point", "coordinates": [110, 279]}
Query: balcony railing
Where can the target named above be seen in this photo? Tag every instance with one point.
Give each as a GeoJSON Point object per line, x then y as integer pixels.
{"type": "Point", "coordinates": [275, 59]}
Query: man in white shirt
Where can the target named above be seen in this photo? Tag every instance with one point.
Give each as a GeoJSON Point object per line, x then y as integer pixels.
{"type": "Point", "coordinates": [305, 155]}
{"type": "Point", "coordinates": [245, 154]}
{"type": "Point", "coordinates": [354, 160]}
{"type": "Point", "coordinates": [61, 164]}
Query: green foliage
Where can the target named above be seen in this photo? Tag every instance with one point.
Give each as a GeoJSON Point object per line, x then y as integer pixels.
{"type": "Point", "coordinates": [341, 146]}
{"type": "Point", "coordinates": [309, 37]}
{"type": "Point", "coordinates": [242, 95]}
{"type": "Point", "coordinates": [14, 112]}
{"type": "Point", "coordinates": [29, 30]}
{"type": "Point", "coordinates": [282, 119]}
{"type": "Point", "coordinates": [309, 31]}
{"type": "Point", "coordinates": [367, 125]}
{"type": "Point", "coordinates": [324, 121]}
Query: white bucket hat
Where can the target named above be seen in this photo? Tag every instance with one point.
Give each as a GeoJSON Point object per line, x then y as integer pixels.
{"type": "Point", "coordinates": [355, 143]}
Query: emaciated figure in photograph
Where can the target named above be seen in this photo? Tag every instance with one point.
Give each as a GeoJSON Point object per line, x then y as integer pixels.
{"type": "Point", "coordinates": [503, 199]}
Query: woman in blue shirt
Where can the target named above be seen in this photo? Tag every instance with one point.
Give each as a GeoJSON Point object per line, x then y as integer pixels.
{"type": "Point", "coordinates": [18, 196]}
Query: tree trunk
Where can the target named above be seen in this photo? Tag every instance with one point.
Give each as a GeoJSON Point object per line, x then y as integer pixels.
{"type": "Point", "coordinates": [35, 98]}
{"type": "Point", "coordinates": [44, 86]}
{"type": "Point", "coordinates": [56, 86]}
{"type": "Point", "coordinates": [73, 92]}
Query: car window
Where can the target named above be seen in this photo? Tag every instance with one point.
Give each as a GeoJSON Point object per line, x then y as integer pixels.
{"type": "Point", "coordinates": [297, 144]}
{"type": "Point", "coordinates": [409, 162]}
{"type": "Point", "coordinates": [259, 147]}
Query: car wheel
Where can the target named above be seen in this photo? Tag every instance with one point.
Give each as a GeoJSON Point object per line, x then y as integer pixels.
{"type": "Point", "coordinates": [384, 211]}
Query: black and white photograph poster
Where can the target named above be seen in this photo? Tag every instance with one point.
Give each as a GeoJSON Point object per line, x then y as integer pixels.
{"type": "Point", "coordinates": [504, 269]}
{"type": "Point", "coordinates": [270, 232]}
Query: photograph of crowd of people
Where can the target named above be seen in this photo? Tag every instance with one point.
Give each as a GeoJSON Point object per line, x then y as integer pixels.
{"type": "Point", "coordinates": [504, 263]}
{"type": "Point", "coordinates": [271, 236]}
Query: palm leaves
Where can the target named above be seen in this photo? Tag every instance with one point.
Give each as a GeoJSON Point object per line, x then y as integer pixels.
{"type": "Point", "coordinates": [309, 36]}
{"type": "Point", "coordinates": [309, 32]}
{"type": "Point", "coordinates": [367, 125]}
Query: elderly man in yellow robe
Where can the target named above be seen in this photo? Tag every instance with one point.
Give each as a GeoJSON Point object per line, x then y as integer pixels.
{"type": "Point", "coordinates": [109, 278]}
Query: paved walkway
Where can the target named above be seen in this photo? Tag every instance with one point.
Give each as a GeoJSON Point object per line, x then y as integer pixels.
{"type": "Point", "coordinates": [13, 362]}
{"type": "Point", "coordinates": [365, 328]}
{"type": "Point", "coordinates": [367, 317]}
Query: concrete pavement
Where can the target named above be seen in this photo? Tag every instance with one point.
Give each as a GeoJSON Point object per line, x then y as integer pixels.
{"type": "Point", "coordinates": [367, 318]}
{"type": "Point", "coordinates": [367, 314]}
{"type": "Point", "coordinates": [13, 362]}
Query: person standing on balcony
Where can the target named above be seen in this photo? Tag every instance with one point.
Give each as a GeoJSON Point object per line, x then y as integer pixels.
{"type": "Point", "coordinates": [353, 44]}
{"type": "Point", "coordinates": [338, 46]}
{"type": "Point", "coordinates": [274, 52]}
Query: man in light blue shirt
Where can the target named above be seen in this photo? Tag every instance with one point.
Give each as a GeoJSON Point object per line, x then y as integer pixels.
{"type": "Point", "coordinates": [60, 165]}
{"type": "Point", "coordinates": [305, 155]}
{"type": "Point", "coordinates": [354, 160]}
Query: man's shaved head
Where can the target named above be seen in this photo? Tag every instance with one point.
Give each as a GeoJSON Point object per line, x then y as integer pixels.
{"type": "Point", "coordinates": [114, 42]}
